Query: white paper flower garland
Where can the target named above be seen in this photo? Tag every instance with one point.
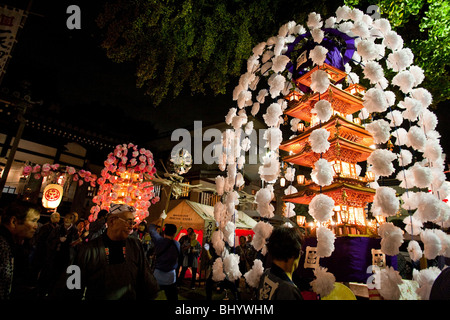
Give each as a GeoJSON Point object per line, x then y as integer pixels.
{"type": "Point", "coordinates": [378, 49]}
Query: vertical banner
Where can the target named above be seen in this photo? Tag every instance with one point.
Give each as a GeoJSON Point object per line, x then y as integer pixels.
{"type": "Point", "coordinates": [10, 22]}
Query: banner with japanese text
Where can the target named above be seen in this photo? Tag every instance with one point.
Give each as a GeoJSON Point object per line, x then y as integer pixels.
{"type": "Point", "coordinates": [10, 22]}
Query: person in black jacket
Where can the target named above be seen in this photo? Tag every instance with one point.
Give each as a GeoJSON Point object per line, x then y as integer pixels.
{"type": "Point", "coordinates": [114, 266]}
{"type": "Point", "coordinates": [284, 247]}
{"type": "Point", "coordinates": [166, 259]}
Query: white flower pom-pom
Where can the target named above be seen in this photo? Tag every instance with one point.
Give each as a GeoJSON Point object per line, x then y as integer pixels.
{"type": "Point", "coordinates": [273, 114]}
{"type": "Point", "coordinates": [367, 49]}
{"type": "Point", "coordinates": [262, 230]}
{"type": "Point", "coordinates": [217, 270]}
{"type": "Point", "coordinates": [361, 29]}
{"type": "Point", "coordinates": [375, 100]}
{"type": "Point", "coordinates": [404, 80]}
{"type": "Point", "coordinates": [380, 130]}
{"type": "Point", "coordinates": [413, 225]}
{"type": "Point", "coordinates": [314, 21]}
{"type": "Point", "coordinates": [343, 13]}
{"type": "Point", "coordinates": [254, 274]}
{"type": "Point", "coordinates": [231, 114]}
{"type": "Point", "coordinates": [323, 110]}
{"type": "Point", "coordinates": [228, 233]}
{"type": "Point", "coordinates": [322, 174]}
{"type": "Point", "coordinates": [320, 81]}
{"type": "Point", "coordinates": [400, 59]}
{"type": "Point", "coordinates": [391, 238]}
{"type": "Point", "coordinates": [276, 83]}
{"type": "Point", "coordinates": [373, 72]}
{"type": "Point", "coordinates": [445, 242]}
{"type": "Point", "coordinates": [383, 25]}
{"type": "Point", "coordinates": [401, 137]}
{"type": "Point", "coordinates": [413, 108]}
{"type": "Point", "coordinates": [395, 117]}
{"type": "Point", "coordinates": [414, 250]}
{"type": "Point", "coordinates": [428, 121]}
{"type": "Point", "coordinates": [390, 280]}
{"type": "Point", "coordinates": [319, 140]}
{"type": "Point", "coordinates": [321, 207]}
{"type": "Point", "coordinates": [405, 157]}
{"type": "Point", "coordinates": [325, 242]}
{"type": "Point", "coordinates": [423, 95]}
{"type": "Point", "coordinates": [220, 213]}
{"type": "Point", "coordinates": [290, 190]}
{"type": "Point", "coordinates": [393, 41]}
{"type": "Point", "coordinates": [288, 211]}
{"type": "Point", "coordinates": [386, 201]}
{"type": "Point", "coordinates": [324, 282]}
{"type": "Point", "coordinates": [428, 207]}
{"type": "Point", "coordinates": [274, 137]}
{"type": "Point", "coordinates": [381, 161]}
{"type": "Point", "coordinates": [217, 242]}
{"type": "Point", "coordinates": [231, 266]}
{"type": "Point", "coordinates": [422, 176]}
{"type": "Point", "coordinates": [425, 279]}
{"type": "Point", "coordinates": [431, 244]}
{"type": "Point", "coordinates": [329, 23]}
{"type": "Point", "coordinates": [220, 182]}
{"type": "Point", "coordinates": [317, 35]}
{"type": "Point", "coordinates": [279, 63]}
{"type": "Point", "coordinates": [418, 74]}
{"type": "Point", "coordinates": [270, 169]}
{"type": "Point", "coordinates": [318, 55]}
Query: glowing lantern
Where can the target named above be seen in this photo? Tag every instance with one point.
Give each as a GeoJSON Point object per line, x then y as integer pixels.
{"type": "Point", "coordinates": [52, 196]}
{"type": "Point", "coordinates": [301, 220]}
{"type": "Point", "coordinates": [300, 179]}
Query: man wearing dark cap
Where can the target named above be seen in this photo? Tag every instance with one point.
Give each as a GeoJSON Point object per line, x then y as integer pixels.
{"type": "Point", "coordinates": [113, 266]}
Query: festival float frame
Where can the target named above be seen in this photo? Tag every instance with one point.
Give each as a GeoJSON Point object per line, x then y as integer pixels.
{"type": "Point", "coordinates": [351, 90]}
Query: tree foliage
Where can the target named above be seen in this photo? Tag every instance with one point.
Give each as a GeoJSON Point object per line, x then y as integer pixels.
{"type": "Point", "coordinates": [425, 28]}
{"type": "Point", "coordinates": [198, 45]}
{"type": "Point", "coordinates": [202, 45]}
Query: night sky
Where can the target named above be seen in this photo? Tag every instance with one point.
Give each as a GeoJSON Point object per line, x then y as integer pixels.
{"type": "Point", "coordinates": [70, 72]}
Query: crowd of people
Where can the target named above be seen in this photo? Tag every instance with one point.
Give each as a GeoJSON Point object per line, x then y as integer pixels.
{"type": "Point", "coordinates": [114, 258]}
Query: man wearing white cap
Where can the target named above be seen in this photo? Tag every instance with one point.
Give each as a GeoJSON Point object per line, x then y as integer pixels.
{"type": "Point", "coordinates": [113, 266]}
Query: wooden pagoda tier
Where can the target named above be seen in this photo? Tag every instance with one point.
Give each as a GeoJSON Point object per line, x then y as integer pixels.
{"type": "Point", "coordinates": [334, 74]}
{"type": "Point", "coordinates": [342, 101]}
{"type": "Point", "coordinates": [342, 191]}
{"type": "Point", "coordinates": [349, 142]}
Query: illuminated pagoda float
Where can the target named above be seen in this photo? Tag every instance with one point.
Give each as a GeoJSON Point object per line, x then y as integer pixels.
{"type": "Point", "coordinates": [126, 179]}
{"type": "Point", "coordinates": [349, 144]}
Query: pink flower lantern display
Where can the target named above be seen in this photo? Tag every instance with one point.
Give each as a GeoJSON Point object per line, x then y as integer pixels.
{"type": "Point", "coordinates": [124, 179]}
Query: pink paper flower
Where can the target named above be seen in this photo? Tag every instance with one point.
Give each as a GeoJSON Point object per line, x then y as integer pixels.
{"type": "Point", "coordinates": [27, 170]}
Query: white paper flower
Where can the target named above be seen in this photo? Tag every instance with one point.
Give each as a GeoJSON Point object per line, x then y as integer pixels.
{"type": "Point", "coordinates": [321, 207]}
{"type": "Point", "coordinates": [320, 81]}
{"type": "Point", "coordinates": [319, 140]}
{"type": "Point", "coordinates": [323, 110]}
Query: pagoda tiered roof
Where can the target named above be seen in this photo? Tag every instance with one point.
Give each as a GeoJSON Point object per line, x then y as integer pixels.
{"type": "Point", "coordinates": [342, 101]}
{"type": "Point", "coordinates": [356, 194]}
{"type": "Point", "coordinates": [349, 142]}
